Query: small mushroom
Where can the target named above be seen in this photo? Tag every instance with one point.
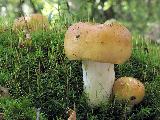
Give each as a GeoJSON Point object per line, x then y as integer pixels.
{"type": "Point", "coordinates": [4, 92]}
{"type": "Point", "coordinates": [99, 46]}
{"type": "Point", "coordinates": [72, 114]}
{"type": "Point", "coordinates": [27, 24]}
{"type": "Point", "coordinates": [129, 89]}
{"type": "Point", "coordinates": [31, 23]}
{"type": "Point", "coordinates": [1, 116]}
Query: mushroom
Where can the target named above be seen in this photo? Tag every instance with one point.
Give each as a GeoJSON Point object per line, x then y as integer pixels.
{"type": "Point", "coordinates": [72, 114]}
{"type": "Point", "coordinates": [27, 24]}
{"type": "Point", "coordinates": [1, 116]}
{"type": "Point", "coordinates": [31, 23]}
{"type": "Point", "coordinates": [129, 89]}
{"type": "Point", "coordinates": [4, 92]}
{"type": "Point", "coordinates": [99, 46]}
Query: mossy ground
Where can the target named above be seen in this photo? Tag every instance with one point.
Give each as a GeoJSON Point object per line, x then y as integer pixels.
{"type": "Point", "coordinates": [43, 74]}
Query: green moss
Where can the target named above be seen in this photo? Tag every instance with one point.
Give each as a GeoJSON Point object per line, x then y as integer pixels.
{"type": "Point", "coordinates": [18, 109]}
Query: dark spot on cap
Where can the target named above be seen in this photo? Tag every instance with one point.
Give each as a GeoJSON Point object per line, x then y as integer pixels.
{"type": "Point", "coordinates": [77, 36]}
{"type": "Point", "coordinates": [74, 54]}
{"type": "Point", "coordinates": [111, 24]}
{"type": "Point", "coordinates": [132, 98]}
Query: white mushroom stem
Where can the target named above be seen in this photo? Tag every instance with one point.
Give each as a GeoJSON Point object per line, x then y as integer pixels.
{"type": "Point", "coordinates": [98, 81]}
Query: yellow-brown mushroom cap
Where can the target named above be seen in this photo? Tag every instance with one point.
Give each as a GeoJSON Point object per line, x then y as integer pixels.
{"type": "Point", "coordinates": [108, 43]}
{"type": "Point", "coordinates": [31, 23]}
{"type": "Point", "coordinates": [129, 89]}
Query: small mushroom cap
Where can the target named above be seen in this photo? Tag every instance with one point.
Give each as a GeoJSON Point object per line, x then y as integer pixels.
{"type": "Point", "coordinates": [107, 43]}
{"type": "Point", "coordinates": [32, 23]}
{"type": "Point", "coordinates": [4, 92]}
{"type": "Point", "coordinates": [72, 114]}
{"type": "Point", "coordinates": [129, 89]}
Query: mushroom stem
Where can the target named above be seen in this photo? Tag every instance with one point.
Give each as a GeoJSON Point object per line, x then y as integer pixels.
{"type": "Point", "coordinates": [98, 81]}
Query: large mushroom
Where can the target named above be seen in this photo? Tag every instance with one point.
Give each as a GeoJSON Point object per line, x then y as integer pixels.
{"type": "Point", "coordinates": [99, 46]}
